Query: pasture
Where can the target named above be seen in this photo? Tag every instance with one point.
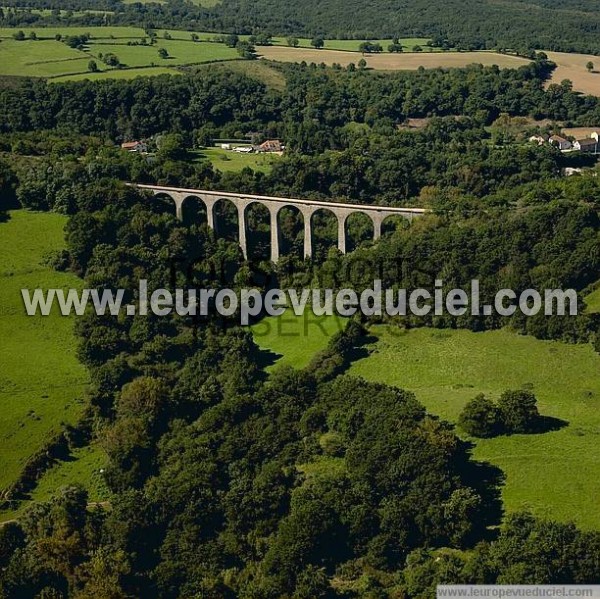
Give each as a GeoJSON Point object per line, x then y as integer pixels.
{"type": "Point", "coordinates": [42, 384]}
{"type": "Point", "coordinates": [52, 59]}
{"type": "Point", "coordinates": [229, 161]}
{"type": "Point", "coordinates": [49, 33]}
{"type": "Point", "coordinates": [408, 44]}
{"type": "Point", "coordinates": [83, 467]}
{"type": "Point", "coordinates": [42, 58]}
{"type": "Point", "coordinates": [555, 474]}
{"type": "Point", "coordinates": [592, 300]}
{"type": "Point", "coordinates": [293, 340]}
{"type": "Point", "coordinates": [390, 62]}
{"type": "Point", "coordinates": [179, 53]}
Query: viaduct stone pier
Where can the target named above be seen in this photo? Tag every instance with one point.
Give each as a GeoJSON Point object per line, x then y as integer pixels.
{"type": "Point", "coordinates": [307, 208]}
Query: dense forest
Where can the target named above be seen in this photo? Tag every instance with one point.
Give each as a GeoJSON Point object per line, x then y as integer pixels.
{"type": "Point", "coordinates": [306, 483]}
{"type": "Point", "coordinates": [551, 25]}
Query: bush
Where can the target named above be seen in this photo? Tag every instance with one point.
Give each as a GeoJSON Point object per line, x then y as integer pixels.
{"type": "Point", "coordinates": [518, 411]}
{"type": "Point", "coordinates": [480, 418]}
{"type": "Point", "coordinates": [515, 412]}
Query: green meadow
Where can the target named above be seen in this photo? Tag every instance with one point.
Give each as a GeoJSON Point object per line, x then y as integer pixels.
{"type": "Point", "coordinates": [180, 52]}
{"type": "Point", "coordinates": [555, 474]}
{"type": "Point", "coordinates": [94, 32]}
{"type": "Point", "coordinates": [229, 161]}
{"type": "Point", "coordinates": [592, 301]}
{"type": "Point", "coordinates": [42, 384]}
{"type": "Point", "coordinates": [83, 467]}
{"type": "Point", "coordinates": [42, 58]}
{"type": "Point", "coordinates": [46, 57]}
{"type": "Point", "coordinates": [293, 340]}
{"type": "Point", "coordinates": [408, 44]}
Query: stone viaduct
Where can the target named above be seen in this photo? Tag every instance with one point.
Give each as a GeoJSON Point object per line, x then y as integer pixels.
{"type": "Point", "coordinates": [307, 208]}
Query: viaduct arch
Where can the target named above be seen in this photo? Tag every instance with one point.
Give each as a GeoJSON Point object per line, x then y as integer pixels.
{"type": "Point", "coordinates": [274, 204]}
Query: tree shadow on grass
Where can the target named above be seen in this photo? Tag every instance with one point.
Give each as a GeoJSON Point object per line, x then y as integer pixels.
{"type": "Point", "coordinates": [487, 481]}
{"type": "Point", "coordinates": [266, 358]}
{"type": "Point", "coordinates": [360, 351]}
{"type": "Point", "coordinates": [546, 424]}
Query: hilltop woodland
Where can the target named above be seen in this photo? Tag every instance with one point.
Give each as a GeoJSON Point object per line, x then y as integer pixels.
{"type": "Point", "coordinates": [568, 26]}
{"type": "Point", "coordinates": [306, 483]}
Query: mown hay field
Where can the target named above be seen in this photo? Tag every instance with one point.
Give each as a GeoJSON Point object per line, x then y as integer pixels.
{"type": "Point", "coordinates": [390, 62]}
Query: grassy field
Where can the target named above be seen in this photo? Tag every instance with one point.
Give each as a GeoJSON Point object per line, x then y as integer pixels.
{"type": "Point", "coordinates": [293, 340]}
{"type": "Point", "coordinates": [408, 44]}
{"type": "Point", "coordinates": [228, 161]}
{"type": "Point", "coordinates": [84, 467]}
{"type": "Point", "coordinates": [94, 32]}
{"type": "Point", "coordinates": [40, 58]}
{"type": "Point", "coordinates": [256, 69]}
{"type": "Point", "coordinates": [592, 301]}
{"type": "Point", "coordinates": [390, 62]}
{"type": "Point", "coordinates": [41, 382]}
{"type": "Point", "coordinates": [556, 474]}
{"type": "Point", "coordinates": [180, 53]}
{"type": "Point", "coordinates": [55, 60]}
{"type": "Point", "coordinates": [573, 67]}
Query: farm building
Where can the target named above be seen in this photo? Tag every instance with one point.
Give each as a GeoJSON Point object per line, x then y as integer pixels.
{"type": "Point", "coordinates": [586, 145]}
{"type": "Point", "coordinates": [560, 142]}
{"type": "Point", "coordinates": [134, 146]}
{"type": "Point", "coordinates": [271, 145]}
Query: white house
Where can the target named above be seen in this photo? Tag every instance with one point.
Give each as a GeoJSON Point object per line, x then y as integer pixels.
{"type": "Point", "coordinates": [560, 142]}
{"type": "Point", "coordinates": [540, 140]}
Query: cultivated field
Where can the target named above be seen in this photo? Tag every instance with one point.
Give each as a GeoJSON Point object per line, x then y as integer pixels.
{"type": "Point", "coordinates": [41, 381]}
{"type": "Point", "coordinates": [556, 474]}
{"type": "Point", "coordinates": [573, 67]}
{"type": "Point", "coordinates": [390, 62]}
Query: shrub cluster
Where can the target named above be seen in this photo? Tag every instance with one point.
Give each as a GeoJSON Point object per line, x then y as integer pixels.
{"type": "Point", "coordinates": [515, 412]}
